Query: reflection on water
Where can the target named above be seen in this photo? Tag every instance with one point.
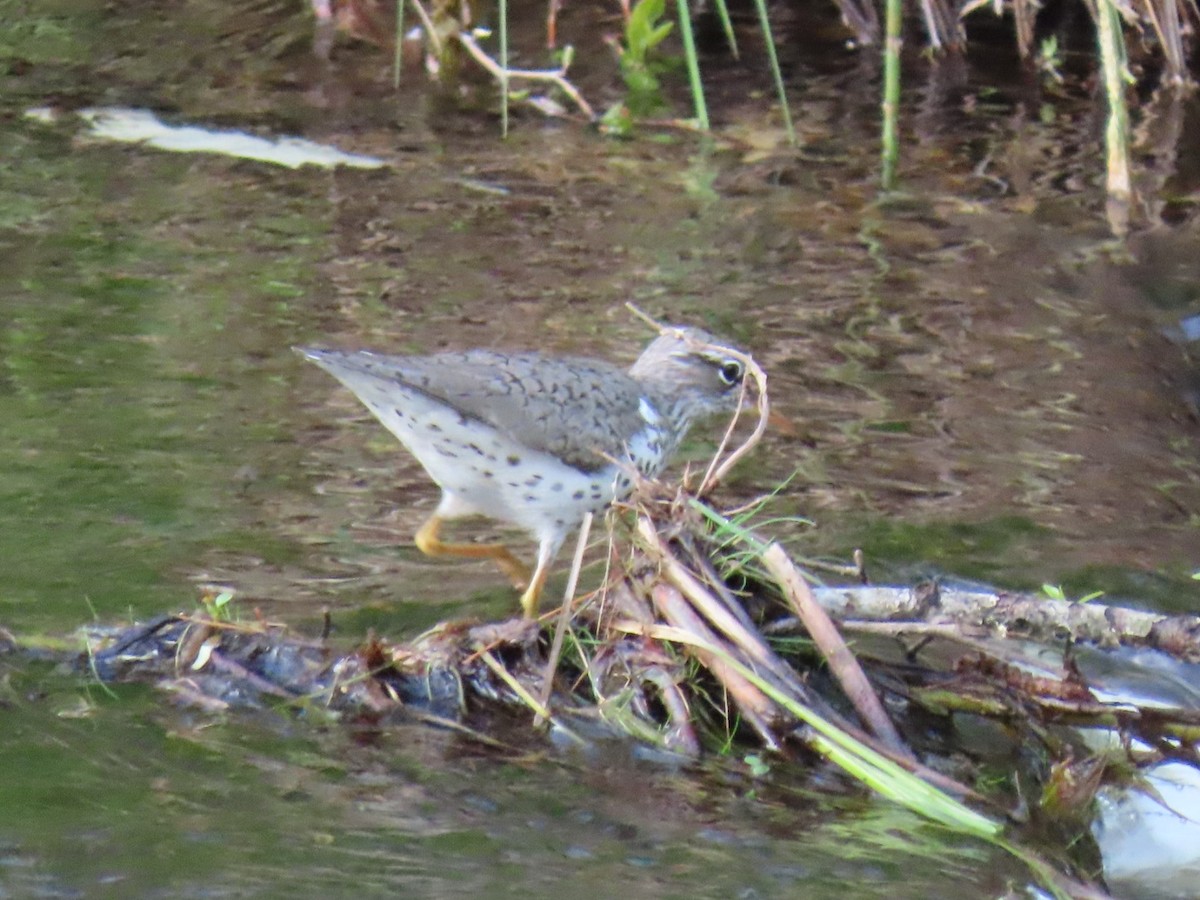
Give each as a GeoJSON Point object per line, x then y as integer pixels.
{"type": "Point", "coordinates": [979, 391]}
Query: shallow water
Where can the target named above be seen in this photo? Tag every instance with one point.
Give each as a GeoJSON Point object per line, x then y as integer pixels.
{"type": "Point", "coordinates": [980, 383]}
{"type": "Point", "coordinates": [117, 793]}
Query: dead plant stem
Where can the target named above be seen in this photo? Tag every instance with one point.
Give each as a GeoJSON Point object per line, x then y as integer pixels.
{"type": "Point", "coordinates": [564, 616]}
{"type": "Point", "coordinates": [829, 641]}
{"type": "Point", "coordinates": [756, 709]}
{"type": "Point", "coordinates": [435, 42]}
{"type": "Point", "coordinates": [707, 605]}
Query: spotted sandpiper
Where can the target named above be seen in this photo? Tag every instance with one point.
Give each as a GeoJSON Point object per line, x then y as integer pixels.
{"type": "Point", "coordinates": [538, 441]}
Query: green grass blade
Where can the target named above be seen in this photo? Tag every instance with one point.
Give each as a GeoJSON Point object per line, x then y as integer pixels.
{"type": "Point", "coordinates": [874, 769]}
{"type": "Point", "coordinates": [854, 757]}
{"type": "Point", "coordinates": [693, 64]}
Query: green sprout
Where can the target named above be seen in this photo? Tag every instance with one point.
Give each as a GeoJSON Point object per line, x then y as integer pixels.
{"type": "Point", "coordinates": [1055, 592]}
{"type": "Point", "coordinates": [217, 606]}
{"type": "Point", "coordinates": [1049, 60]}
{"type": "Point", "coordinates": [640, 66]}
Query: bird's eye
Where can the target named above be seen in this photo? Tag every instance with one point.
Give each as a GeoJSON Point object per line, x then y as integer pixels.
{"type": "Point", "coordinates": [731, 372]}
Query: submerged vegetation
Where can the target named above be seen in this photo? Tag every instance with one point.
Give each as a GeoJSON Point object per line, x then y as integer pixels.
{"type": "Point", "coordinates": [1160, 29]}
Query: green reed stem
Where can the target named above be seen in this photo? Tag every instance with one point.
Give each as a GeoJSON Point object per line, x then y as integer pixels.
{"type": "Point", "coordinates": [1116, 133]}
{"type": "Point", "coordinates": [398, 55]}
{"type": "Point", "coordinates": [891, 94]}
{"type": "Point", "coordinates": [727, 27]}
{"type": "Point", "coordinates": [773, 58]}
{"type": "Point", "coordinates": [504, 68]}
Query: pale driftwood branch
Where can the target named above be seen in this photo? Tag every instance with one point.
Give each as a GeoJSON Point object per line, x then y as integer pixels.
{"type": "Point", "coordinates": [556, 77]}
{"type": "Point", "coordinates": [977, 612]}
{"type": "Point", "coordinates": [829, 641]}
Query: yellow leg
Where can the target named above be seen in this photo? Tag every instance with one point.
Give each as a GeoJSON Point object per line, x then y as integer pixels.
{"type": "Point", "coordinates": [430, 544]}
{"type": "Point", "coordinates": [533, 593]}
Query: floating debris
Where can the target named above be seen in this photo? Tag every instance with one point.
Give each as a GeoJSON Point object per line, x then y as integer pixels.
{"type": "Point", "coordinates": [141, 126]}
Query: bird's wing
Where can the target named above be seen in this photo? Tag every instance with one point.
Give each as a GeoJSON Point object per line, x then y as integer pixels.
{"type": "Point", "coordinates": [579, 410]}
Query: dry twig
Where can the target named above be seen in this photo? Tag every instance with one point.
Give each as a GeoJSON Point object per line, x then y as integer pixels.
{"type": "Point", "coordinates": [556, 77]}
